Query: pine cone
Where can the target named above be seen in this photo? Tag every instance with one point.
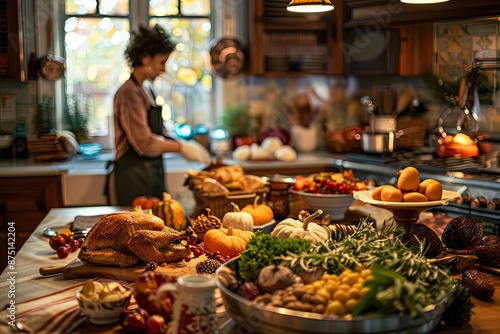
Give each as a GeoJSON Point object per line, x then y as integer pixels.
{"type": "Point", "coordinates": [208, 266]}
{"type": "Point", "coordinates": [488, 251]}
{"type": "Point", "coordinates": [462, 232]}
{"type": "Point", "coordinates": [204, 223]}
{"type": "Point", "coordinates": [479, 284]}
{"type": "Point", "coordinates": [432, 243]}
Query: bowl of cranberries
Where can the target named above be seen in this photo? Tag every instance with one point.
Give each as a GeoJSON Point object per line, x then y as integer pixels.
{"type": "Point", "coordinates": [328, 191]}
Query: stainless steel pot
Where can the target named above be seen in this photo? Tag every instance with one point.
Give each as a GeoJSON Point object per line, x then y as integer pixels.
{"type": "Point", "coordinates": [378, 142]}
{"type": "Point", "coordinates": [375, 142]}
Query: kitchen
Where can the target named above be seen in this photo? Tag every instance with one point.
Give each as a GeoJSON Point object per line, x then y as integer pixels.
{"type": "Point", "coordinates": [78, 182]}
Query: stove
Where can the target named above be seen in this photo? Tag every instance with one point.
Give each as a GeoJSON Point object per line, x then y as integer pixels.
{"type": "Point", "coordinates": [477, 179]}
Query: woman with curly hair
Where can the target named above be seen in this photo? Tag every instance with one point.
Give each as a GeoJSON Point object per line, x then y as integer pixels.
{"type": "Point", "coordinates": [139, 141]}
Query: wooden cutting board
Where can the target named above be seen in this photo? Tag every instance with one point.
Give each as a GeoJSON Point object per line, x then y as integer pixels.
{"type": "Point", "coordinates": [79, 269]}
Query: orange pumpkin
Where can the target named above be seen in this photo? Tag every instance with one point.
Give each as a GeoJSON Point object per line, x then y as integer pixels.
{"type": "Point", "coordinates": [227, 241]}
{"type": "Point", "coordinates": [261, 213]}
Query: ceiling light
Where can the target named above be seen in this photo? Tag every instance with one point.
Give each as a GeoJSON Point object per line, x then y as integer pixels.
{"type": "Point", "coordinates": [309, 6]}
{"type": "Point", "coordinates": [422, 2]}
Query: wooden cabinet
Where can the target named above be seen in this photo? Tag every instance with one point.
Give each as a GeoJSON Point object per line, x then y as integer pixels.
{"type": "Point", "coordinates": [285, 43]}
{"type": "Point", "coordinates": [416, 48]}
{"type": "Point", "coordinates": [390, 12]}
{"type": "Point", "coordinates": [25, 201]}
{"type": "Point", "coordinates": [10, 49]}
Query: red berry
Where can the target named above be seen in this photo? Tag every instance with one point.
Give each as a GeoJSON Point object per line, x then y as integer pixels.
{"type": "Point", "coordinates": [63, 251]}
{"type": "Point", "coordinates": [187, 259]}
{"type": "Point", "coordinates": [74, 244]}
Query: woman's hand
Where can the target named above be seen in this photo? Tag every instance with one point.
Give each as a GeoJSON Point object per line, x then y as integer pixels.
{"type": "Point", "coordinates": [193, 151]}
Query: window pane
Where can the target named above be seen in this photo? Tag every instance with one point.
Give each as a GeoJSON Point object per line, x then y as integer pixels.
{"type": "Point", "coordinates": [195, 7]}
{"type": "Point", "coordinates": [163, 7]}
{"type": "Point", "coordinates": [188, 70]}
{"type": "Point", "coordinates": [113, 7]}
{"type": "Point", "coordinates": [81, 7]}
{"type": "Point", "coordinates": [96, 65]}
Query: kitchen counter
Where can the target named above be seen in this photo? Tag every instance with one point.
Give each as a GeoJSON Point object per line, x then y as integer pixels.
{"type": "Point", "coordinates": [24, 282]}
{"type": "Point", "coordinates": [83, 180]}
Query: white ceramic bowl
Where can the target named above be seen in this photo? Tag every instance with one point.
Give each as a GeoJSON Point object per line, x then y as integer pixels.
{"type": "Point", "coordinates": [103, 312]}
{"type": "Point", "coordinates": [335, 205]}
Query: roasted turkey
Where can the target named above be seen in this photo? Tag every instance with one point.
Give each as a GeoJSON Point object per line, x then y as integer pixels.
{"type": "Point", "coordinates": [123, 238]}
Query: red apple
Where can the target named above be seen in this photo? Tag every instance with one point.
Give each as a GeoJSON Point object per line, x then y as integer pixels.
{"type": "Point", "coordinates": [57, 241]}
{"type": "Point", "coordinates": [134, 321]}
{"type": "Point", "coordinates": [145, 294]}
{"type": "Point", "coordinates": [156, 325]}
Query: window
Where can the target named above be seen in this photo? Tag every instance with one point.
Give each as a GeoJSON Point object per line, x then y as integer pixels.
{"type": "Point", "coordinates": [96, 33]}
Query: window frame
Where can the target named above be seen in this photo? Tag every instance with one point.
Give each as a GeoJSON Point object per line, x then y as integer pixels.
{"type": "Point", "coordinates": [138, 14]}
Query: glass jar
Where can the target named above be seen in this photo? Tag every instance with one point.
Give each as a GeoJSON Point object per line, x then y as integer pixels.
{"type": "Point", "coordinates": [278, 198]}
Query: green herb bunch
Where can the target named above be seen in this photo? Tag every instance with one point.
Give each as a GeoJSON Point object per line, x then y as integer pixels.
{"type": "Point", "coordinates": [422, 283]}
{"type": "Point", "coordinates": [264, 249]}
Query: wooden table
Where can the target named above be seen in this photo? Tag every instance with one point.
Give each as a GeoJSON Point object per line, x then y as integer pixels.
{"type": "Point", "coordinates": [36, 253]}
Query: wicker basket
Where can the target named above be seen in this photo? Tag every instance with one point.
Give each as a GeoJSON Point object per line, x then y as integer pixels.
{"type": "Point", "coordinates": [413, 139]}
{"type": "Point", "coordinates": [219, 204]}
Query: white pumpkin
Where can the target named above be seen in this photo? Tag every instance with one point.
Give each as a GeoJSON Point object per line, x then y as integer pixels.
{"type": "Point", "coordinates": [295, 229]}
{"type": "Point", "coordinates": [258, 153]}
{"type": "Point", "coordinates": [271, 144]}
{"type": "Point", "coordinates": [242, 153]}
{"type": "Point", "coordinates": [238, 219]}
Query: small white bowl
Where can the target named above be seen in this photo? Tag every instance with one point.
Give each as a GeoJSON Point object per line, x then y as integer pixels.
{"type": "Point", "coordinates": [103, 312]}
{"type": "Point", "coordinates": [335, 205]}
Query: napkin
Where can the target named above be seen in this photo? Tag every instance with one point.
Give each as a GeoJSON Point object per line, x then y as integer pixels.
{"type": "Point", "coordinates": [55, 313]}
{"type": "Point", "coordinates": [85, 222]}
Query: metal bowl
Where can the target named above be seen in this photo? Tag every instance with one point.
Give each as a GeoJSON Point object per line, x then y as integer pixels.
{"type": "Point", "coordinates": [255, 318]}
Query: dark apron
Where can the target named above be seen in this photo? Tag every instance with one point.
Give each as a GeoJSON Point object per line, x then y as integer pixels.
{"type": "Point", "coordinates": [140, 176]}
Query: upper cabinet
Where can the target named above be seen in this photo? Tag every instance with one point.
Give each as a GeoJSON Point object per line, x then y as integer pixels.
{"type": "Point", "coordinates": [9, 41]}
{"type": "Point", "coordinates": [284, 43]}
{"type": "Point", "coordinates": [390, 12]}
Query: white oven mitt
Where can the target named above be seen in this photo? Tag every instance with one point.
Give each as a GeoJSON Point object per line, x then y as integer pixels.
{"type": "Point", "coordinates": [194, 151]}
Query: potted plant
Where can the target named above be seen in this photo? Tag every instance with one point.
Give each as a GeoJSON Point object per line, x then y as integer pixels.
{"type": "Point", "coordinates": [238, 121]}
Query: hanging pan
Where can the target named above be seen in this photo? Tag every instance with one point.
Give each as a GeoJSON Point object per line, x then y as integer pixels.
{"type": "Point", "coordinates": [51, 67]}
{"type": "Point", "coordinates": [227, 56]}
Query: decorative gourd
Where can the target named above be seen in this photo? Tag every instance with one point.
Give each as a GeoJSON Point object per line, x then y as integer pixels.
{"type": "Point", "coordinates": [261, 213]}
{"type": "Point", "coordinates": [228, 241]}
{"type": "Point", "coordinates": [296, 229]}
{"type": "Point", "coordinates": [238, 219]}
{"type": "Point", "coordinates": [172, 213]}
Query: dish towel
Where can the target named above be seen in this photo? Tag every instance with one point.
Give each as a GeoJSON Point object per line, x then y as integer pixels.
{"type": "Point", "coordinates": [56, 313]}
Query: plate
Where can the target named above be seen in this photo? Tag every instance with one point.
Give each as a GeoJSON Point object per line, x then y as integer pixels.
{"type": "Point", "coordinates": [365, 196]}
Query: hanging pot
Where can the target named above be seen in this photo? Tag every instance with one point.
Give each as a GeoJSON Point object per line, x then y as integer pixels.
{"type": "Point", "coordinates": [227, 56]}
{"type": "Point", "coordinates": [51, 67]}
